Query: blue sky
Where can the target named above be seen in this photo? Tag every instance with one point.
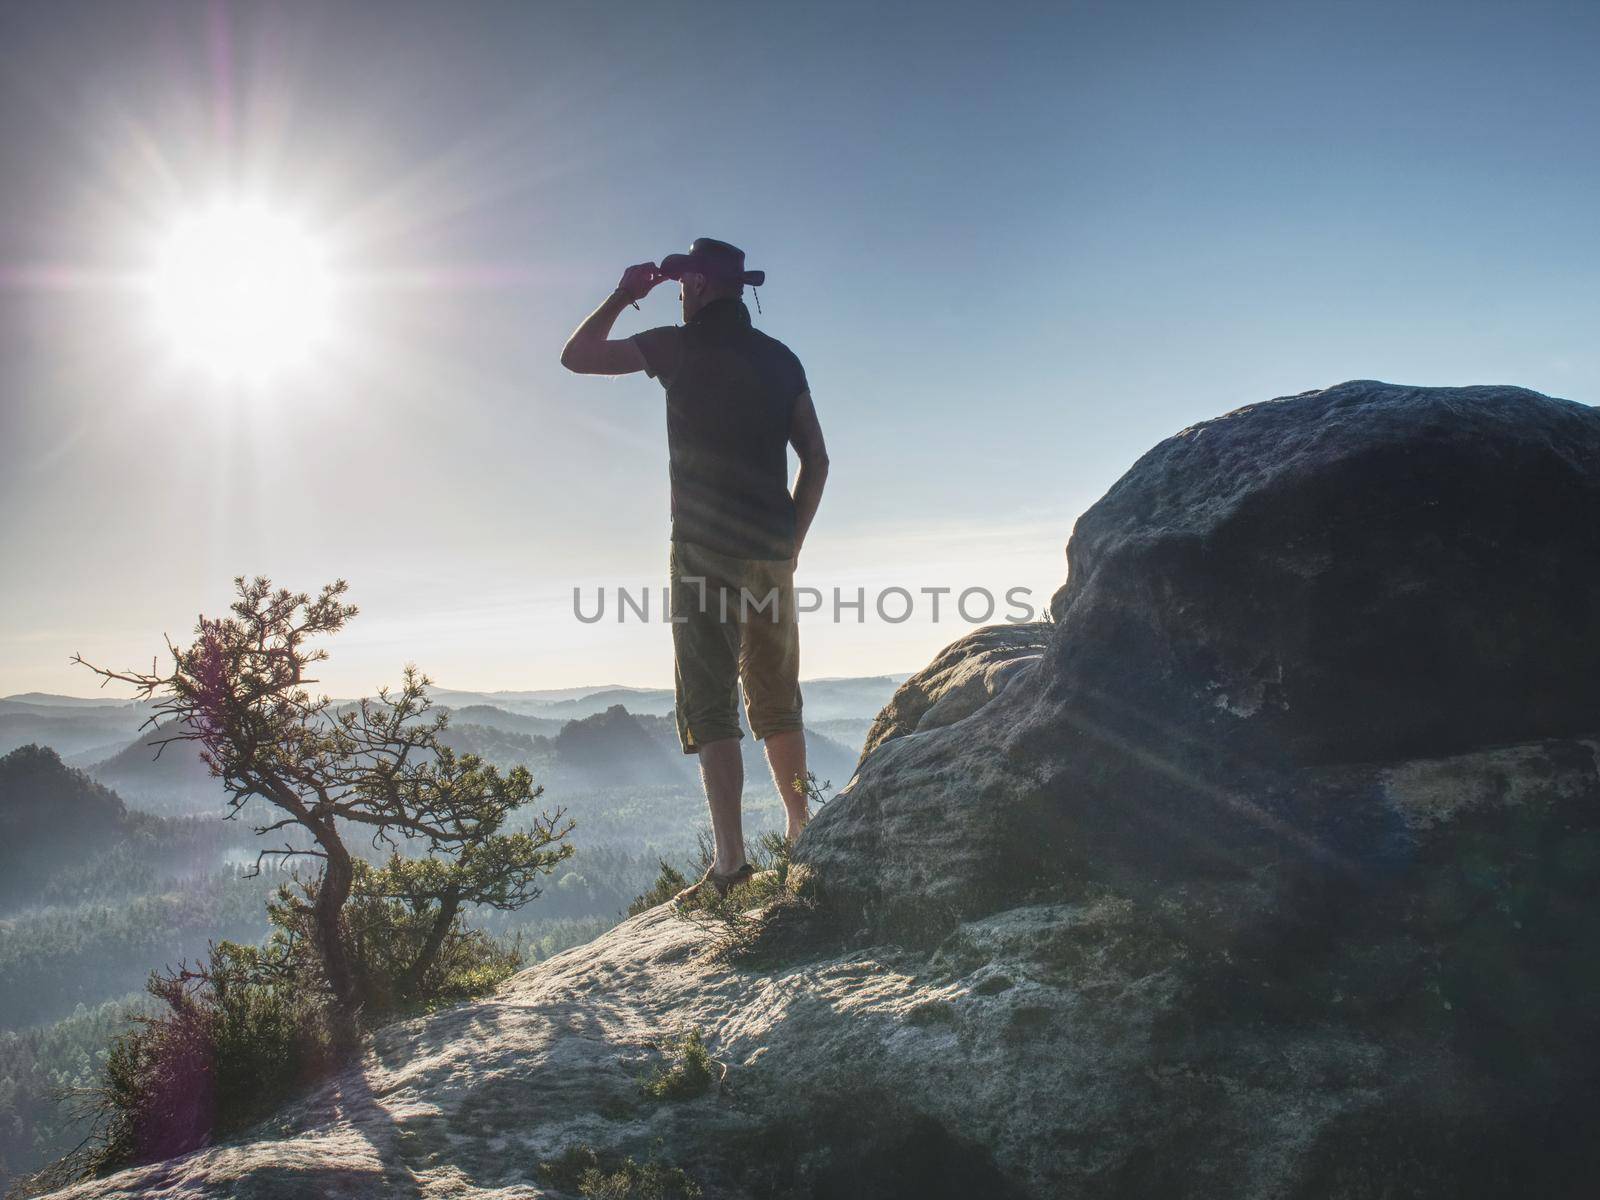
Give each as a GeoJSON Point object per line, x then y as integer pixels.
{"type": "Point", "coordinates": [1014, 246]}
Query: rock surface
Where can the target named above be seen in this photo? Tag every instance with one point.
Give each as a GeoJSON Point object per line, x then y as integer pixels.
{"type": "Point", "coordinates": [1363, 572]}
{"type": "Point", "coordinates": [812, 1062]}
{"type": "Point", "coordinates": [1422, 1044]}
{"type": "Point", "coordinates": [1271, 869]}
{"type": "Point", "coordinates": [964, 677]}
{"type": "Point", "coordinates": [1366, 573]}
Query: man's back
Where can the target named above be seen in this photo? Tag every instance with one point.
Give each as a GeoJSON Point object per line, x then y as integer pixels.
{"type": "Point", "coordinates": [731, 394]}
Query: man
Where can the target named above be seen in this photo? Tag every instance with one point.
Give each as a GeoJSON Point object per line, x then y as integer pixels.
{"type": "Point", "coordinates": [736, 400]}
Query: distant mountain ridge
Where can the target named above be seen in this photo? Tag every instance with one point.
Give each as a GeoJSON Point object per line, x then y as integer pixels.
{"type": "Point", "coordinates": [534, 711]}
{"type": "Point", "coordinates": [571, 738]}
{"type": "Point", "coordinates": [619, 748]}
{"type": "Point", "coordinates": [52, 700]}
{"type": "Point", "coordinates": [832, 697]}
{"type": "Point", "coordinates": [500, 718]}
{"type": "Point", "coordinates": [70, 724]}
{"type": "Point", "coordinates": [655, 701]}
{"type": "Point", "coordinates": [826, 699]}
{"type": "Point", "coordinates": [528, 701]}
{"type": "Point", "coordinates": [177, 781]}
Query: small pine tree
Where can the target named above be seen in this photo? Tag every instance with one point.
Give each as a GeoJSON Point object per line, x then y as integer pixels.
{"type": "Point", "coordinates": [240, 691]}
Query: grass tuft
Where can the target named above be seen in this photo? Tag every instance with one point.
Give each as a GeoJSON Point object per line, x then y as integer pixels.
{"type": "Point", "coordinates": [668, 884]}
{"type": "Point", "coordinates": [687, 1075]}
{"type": "Point", "coordinates": [595, 1176]}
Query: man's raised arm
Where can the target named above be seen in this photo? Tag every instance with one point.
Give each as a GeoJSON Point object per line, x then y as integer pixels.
{"type": "Point", "coordinates": [589, 351]}
{"type": "Point", "coordinates": [805, 435]}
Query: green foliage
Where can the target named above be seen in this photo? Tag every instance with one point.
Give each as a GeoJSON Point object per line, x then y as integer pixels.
{"type": "Point", "coordinates": [387, 939]}
{"type": "Point", "coordinates": [47, 811]}
{"type": "Point", "coordinates": [652, 815]}
{"type": "Point", "coordinates": [568, 1168]}
{"type": "Point", "coordinates": [153, 854]}
{"type": "Point", "coordinates": [596, 880]}
{"type": "Point", "coordinates": [545, 939]}
{"type": "Point", "coordinates": [688, 1073]}
{"type": "Point", "coordinates": [594, 1176]}
{"type": "Point", "coordinates": [51, 958]}
{"type": "Point", "coordinates": [362, 941]}
{"type": "Point", "coordinates": [816, 793]}
{"type": "Point", "coordinates": [773, 917]}
{"type": "Point", "coordinates": [377, 765]}
{"type": "Point", "coordinates": [500, 746]}
{"type": "Point", "coordinates": [257, 1024]}
{"type": "Point", "coordinates": [772, 883]}
{"type": "Point", "coordinates": [45, 1072]}
{"type": "Point", "coordinates": [97, 950]}
{"type": "Point", "coordinates": [739, 915]}
{"type": "Point", "coordinates": [668, 884]}
{"type": "Point", "coordinates": [632, 1181]}
{"type": "Point", "coordinates": [238, 1036]}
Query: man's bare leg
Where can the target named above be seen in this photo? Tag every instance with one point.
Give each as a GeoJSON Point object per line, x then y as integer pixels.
{"type": "Point", "coordinates": [722, 772]}
{"type": "Point", "coordinates": [786, 755]}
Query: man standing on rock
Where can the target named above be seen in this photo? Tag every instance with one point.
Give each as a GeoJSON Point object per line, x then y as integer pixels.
{"type": "Point", "coordinates": [736, 400]}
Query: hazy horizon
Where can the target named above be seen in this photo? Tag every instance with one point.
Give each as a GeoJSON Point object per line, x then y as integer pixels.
{"type": "Point", "coordinates": [579, 691]}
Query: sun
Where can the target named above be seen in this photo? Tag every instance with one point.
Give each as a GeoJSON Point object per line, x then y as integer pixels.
{"type": "Point", "coordinates": [241, 291]}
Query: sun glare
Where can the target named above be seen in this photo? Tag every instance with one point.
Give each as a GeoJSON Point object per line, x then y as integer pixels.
{"type": "Point", "coordinates": [241, 291]}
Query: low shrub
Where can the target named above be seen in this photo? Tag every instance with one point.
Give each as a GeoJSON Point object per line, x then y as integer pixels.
{"type": "Point", "coordinates": [595, 1176]}
{"type": "Point", "coordinates": [638, 1181]}
{"type": "Point", "coordinates": [256, 1025]}
{"type": "Point", "coordinates": [688, 1074]}
{"type": "Point", "coordinates": [753, 923]}
{"type": "Point", "coordinates": [239, 1036]}
{"type": "Point", "coordinates": [771, 861]}
{"type": "Point", "coordinates": [668, 884]}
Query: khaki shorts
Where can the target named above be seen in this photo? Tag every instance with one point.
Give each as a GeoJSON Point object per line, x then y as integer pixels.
{"type": "Point", "coordinates": [733, 621]}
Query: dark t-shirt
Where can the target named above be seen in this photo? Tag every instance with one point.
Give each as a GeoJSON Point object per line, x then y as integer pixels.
{"type": "Point", "coordinates": [731, 392]}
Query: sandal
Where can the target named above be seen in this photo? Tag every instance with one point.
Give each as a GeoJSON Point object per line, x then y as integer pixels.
{"type": "Point", "coordinates": [723, 884]}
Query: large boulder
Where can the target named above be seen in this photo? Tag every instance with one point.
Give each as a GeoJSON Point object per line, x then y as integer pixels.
{"type": "Point", "coordinates": [1320, 703]}
{"type": "Point", "coordinates": [1364, 572]}
{"type": "Point", "coordinates": [1367, 573]}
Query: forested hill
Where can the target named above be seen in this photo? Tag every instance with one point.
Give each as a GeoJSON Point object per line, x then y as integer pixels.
{"type": "Point", "coordinates": [50, 813]}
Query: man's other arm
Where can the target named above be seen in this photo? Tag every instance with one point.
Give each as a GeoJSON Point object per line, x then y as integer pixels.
{"type": "Point", "coordinates": [589, 351]}
{"type": "Point", "coordinates": [805, 435]}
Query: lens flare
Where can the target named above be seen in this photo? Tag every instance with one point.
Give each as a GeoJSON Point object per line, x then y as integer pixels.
{"type": "Point", "coordinates": [241, 291]}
